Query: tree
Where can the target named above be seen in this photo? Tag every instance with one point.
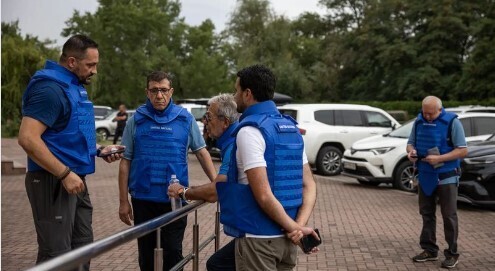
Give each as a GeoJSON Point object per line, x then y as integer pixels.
{"type": "Point", "coordinates": [127, 53]}
{"type": "Point", "coordinates": [21, 57]}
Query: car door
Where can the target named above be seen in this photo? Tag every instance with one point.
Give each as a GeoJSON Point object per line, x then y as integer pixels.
{"type": "Point", "coordinates": [377, 123]}
{"type": "Point", "coordinates": [350, 126]}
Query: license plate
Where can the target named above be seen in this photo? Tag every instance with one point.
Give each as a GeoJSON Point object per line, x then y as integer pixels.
{"type": "Point", "coordinates": [351, 166]}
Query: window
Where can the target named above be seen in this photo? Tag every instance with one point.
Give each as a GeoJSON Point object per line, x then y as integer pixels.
{"type": "Point", "coordinates": [325, 116]}
{"type": "Point", "coordinates": [376, 119]}
{"type": "Point", "coordinates": [198, 113]}
{"type": "Point", "coordinates": [290, 112]}
{"type": "Point", "coordinates": [348, 118]}
{"type": "Point", "coordinates": [466, 124]}
{"type": "Point", "coordinates": [484, 125]}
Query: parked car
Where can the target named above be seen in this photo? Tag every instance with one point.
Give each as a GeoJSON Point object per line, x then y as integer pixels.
{"type": "Point", "coordinates": [471, 109]}
{"type": "Point", "coordinates": [329, 129]}
{"type": "Point", "coordinates": [101, 112]}
{"type": "Point", "coordinates": [477, 183]}
{"type": "Point", "coordinates": [383, 158]}
{"type": "Point", "coordinates": [198, 111]}
{"type": "Point", "coordinates": [106, 127]}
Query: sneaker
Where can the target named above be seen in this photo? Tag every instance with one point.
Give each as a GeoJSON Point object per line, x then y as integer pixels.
{"type": "Point", "coordinates": [425, 256]}
{"type": "Point", "coordinates": [450, 262]}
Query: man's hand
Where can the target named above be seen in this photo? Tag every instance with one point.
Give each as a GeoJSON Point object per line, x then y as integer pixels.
{"type": "Point", "coordinates": [433, 159]}
{"type": "Point", "coordinates": [73, 183]}
{"type": "Point", "coordinates": [112, 157]}
{"type": "Point", "coordinates": [125, 212]}
{"type": "Point", "coordinates": [412, 156]}
{"type": "Point", "coordinates": [174, 190]}
{"type": "Point", "coordinates": [296, 236]}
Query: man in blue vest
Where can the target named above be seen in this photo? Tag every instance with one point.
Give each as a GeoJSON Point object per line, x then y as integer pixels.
{"type": "Point", "coordinates": [436, 145]}
{"type": "Point", "coordinates": [58, 134]}
{"type": "Point", "coordinates": [270, 192]}
{"type": "Point", "coordinates": [221, 120]}
{"type": "Point", "coordinates": [157, 140]}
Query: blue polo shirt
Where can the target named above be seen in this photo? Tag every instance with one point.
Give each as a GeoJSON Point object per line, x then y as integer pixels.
{"type": "Point", "coordinates": [46, 102]}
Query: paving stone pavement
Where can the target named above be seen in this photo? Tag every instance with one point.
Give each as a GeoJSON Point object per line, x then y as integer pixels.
{"type": "Point", "coordinates": [363, 228]}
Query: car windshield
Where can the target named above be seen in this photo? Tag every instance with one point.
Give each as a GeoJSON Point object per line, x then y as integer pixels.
{"type": "Point", "coordinates": [402, 132]}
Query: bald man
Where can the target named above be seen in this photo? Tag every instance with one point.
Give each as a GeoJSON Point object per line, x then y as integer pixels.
{"type": "Point", "coordinates": [436, 145]}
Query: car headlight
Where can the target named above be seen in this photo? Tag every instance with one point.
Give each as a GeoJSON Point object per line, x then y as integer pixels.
{"type": "Point", "coordinates": [481, 160]}
{"type": "Point", "coordinates": [379, 151]}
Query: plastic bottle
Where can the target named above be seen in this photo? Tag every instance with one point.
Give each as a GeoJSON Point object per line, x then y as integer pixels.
{"type": "Point", "coordinates": [176, 202]}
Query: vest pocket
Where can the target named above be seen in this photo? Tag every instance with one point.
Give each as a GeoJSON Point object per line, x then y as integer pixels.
{"type": "Point", "coordinates": [140, 176]}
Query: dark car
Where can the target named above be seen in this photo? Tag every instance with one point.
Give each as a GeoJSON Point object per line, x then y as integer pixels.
{"type": "Point", "coordinates": [477, 183]}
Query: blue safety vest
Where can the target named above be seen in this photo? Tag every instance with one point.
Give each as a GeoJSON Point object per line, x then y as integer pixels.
{"type": "Point", "coordinates": [227, 139]}
{"type": "Point", "coordinates": [431, 135]}
{"type": "Point", "coordinates": [240, 213]}
{"type": "Point", "coordinates": [160, 150]}
{"type": "Point", "coordinates": [75, 145]}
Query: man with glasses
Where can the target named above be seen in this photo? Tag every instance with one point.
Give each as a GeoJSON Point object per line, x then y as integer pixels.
{"type": "Point", "coordinates": [221, 120]}
{"type": "Point", "coordinates": [157, 139]}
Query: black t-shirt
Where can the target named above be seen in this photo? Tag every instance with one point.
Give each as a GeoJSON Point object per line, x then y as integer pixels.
{"type": "Point", "coordinates": [121, 123]}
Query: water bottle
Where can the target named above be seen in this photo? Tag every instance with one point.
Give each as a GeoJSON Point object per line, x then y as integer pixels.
{"type": "Point", "coordinates": [176, 202]}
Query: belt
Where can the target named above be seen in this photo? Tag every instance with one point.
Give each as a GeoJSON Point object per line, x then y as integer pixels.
{"type": "Point", "coordinates": [446, 175]}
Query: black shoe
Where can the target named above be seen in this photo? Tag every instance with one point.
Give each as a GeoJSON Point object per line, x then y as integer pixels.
{"type": "Point", "coordinates": [425, 256]}
{"type": "Point", "coordinates": [450, 262]}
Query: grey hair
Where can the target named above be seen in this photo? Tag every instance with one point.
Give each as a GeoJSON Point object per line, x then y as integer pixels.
{"type": "Point", "coordinates": [226, 106]}
{"type": "Point", "coordinates": [435, 99]}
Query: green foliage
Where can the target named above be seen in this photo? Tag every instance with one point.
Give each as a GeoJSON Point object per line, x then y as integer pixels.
{"type": "Point", "coordinates": [394, 52]}
{"type": "Point", "coordinates": [21, 57]}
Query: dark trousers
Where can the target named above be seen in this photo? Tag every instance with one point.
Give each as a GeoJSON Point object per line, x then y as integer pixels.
{"type": "Point", "coordinates": [171, 235]}
{"type": "Point", "coordinates": [447, 198]}
{"type": "Point", "coordinates": [223, 259]}
{"type": "Point", "coordinates": [62, 221]}
{"type": "Point", "coordinates": [118, 133]}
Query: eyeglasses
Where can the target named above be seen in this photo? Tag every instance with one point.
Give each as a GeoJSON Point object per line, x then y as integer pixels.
{"type": "Point", "coordinates": [163, 91]}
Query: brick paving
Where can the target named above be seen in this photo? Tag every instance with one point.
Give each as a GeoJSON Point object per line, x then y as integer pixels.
{"type": "Point", "coordinates": [363, 228]}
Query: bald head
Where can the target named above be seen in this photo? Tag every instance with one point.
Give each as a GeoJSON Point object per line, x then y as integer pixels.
{"type": "Point", "coordinates": [431, 108]}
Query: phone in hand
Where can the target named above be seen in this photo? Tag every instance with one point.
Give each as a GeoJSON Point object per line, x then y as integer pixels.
{"type": "Point", "coordinates": [309, 242]}
{"type": "Point", "coordinates": [119, 149]}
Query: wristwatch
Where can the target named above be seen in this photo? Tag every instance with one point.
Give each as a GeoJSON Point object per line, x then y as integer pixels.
{"type": "Point", "coordinates": [182, 194]}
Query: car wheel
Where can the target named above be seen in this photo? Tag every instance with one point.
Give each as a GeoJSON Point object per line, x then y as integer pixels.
{"type": "Point", "coordinates": [102, 133]}
{"type": "Point", "coordinates": [403, 178]}
{"type": "Point", "coordinates": [369, 183]}
{"type": "Point", "coordinates": [329, 161]}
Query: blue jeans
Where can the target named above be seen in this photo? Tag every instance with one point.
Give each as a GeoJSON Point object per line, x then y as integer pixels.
{"type": "Point", "coordinates": [223, 259]}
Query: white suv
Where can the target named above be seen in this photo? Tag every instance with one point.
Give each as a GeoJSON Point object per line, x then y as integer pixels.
{"type": "Point", "coordinates": [383, 158]}
{"type": "Point", "coordinates": [329, 129]}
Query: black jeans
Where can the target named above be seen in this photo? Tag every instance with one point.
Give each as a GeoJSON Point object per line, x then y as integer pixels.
{"type": "Point", "coordinates": [171, 235]}
{"type": "Point", "coordinates": [223, 259]}
{"type": "Point", "coordinates": [447, 198]}
{"type": "Point", "coordinates": [62, 221]}
{"type": "Point", "coordinates": [118, 133]}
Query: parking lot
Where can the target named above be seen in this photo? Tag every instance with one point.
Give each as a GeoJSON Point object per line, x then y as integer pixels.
{"type": "Point", "coordinates": [363, 228]}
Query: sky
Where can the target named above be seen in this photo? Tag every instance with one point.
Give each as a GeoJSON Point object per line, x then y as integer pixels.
{"type": "Point", "coordinates": [46, 18]}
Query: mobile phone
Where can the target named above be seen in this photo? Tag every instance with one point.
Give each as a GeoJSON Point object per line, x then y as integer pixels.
{"type": "Point", "coordinates": [309, 242]}
{"type": "Point", "coordinates": [113, 151]}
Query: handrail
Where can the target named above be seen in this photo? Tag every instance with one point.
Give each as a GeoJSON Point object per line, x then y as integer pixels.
{"type": "Point", "coordinates": [76, 258]}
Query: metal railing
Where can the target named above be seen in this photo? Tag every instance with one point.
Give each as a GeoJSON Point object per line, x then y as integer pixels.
{"type": "Point", "coordinates": [78, 257]}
